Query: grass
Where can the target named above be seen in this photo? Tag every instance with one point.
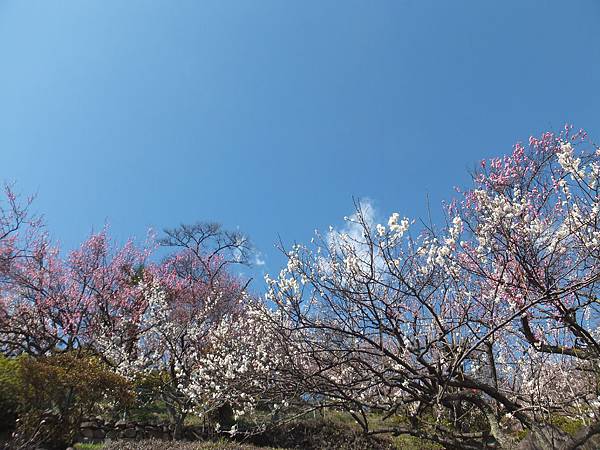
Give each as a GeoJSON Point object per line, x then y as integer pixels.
{"type": "Point", "coordinates": [89, 446]}
{"type": "Point", "coordinates": [403, 442]}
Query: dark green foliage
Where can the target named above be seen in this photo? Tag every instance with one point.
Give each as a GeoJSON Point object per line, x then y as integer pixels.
{"type": "Point", "coordinates": [59, 391]}
{"type": "Point", "coordinates": [223, 416]}
{"type": "Point", "coordinates": [10, 387]}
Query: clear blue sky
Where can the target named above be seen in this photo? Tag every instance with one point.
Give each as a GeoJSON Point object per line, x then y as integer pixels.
{"type": "Point", "coordinates": [272, 115]}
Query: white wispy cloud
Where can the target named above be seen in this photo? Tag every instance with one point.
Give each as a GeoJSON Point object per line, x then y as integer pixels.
{"type": "Point", "coordinates": [352, 235]}
{"type": "Point", "coordinates": [352, 226]}
{"type": "Point", "coordinates": [258, 259]}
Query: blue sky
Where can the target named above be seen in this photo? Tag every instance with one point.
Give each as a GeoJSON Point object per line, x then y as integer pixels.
{"type": "Point", "coordinates": [271, 116]}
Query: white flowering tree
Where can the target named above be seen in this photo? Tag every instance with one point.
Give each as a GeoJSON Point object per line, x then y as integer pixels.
{"type": "Point", "coordinates": [199, 334]}
{"type": "Point", "coordinates": [465, 331]}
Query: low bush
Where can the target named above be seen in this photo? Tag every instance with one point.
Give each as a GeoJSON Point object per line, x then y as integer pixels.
{"type": "Point", "coordinates": [10, 387]}
{"type": "Point", "coordinates": [59, 391]}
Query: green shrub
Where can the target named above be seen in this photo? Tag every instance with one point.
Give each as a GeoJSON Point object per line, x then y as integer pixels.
{"type": "Point", "coordinates": [59, 391]}
{"type": "Point", "coordinates": [148, 404]}
{"type": "Point", "coordinates": [10, 386]}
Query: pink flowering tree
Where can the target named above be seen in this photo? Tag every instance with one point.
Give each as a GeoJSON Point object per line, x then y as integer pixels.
{"type": "Point", "coordinates": [19, 230]}
{"type": "Point", "coordinates": [467, 331]}
{"type": "Point", "coordinates": [53, 304]}
{"type": "Point", "coordinates": [20, 233]}
{"type": "Point", "coordinates": [531, 254]}
{"type": "Point", "coordinates": [186, 320]}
